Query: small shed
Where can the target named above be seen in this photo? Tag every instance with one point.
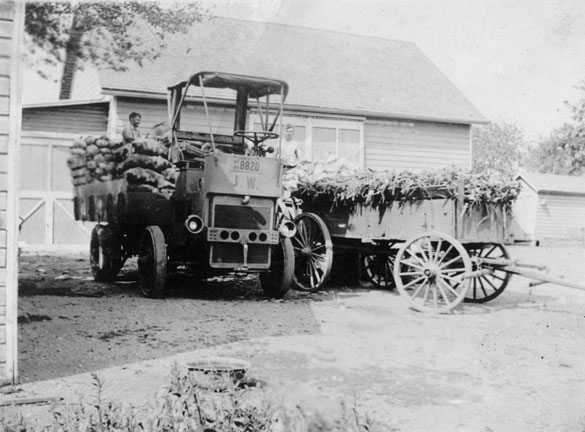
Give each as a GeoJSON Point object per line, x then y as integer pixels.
{"type": "Point", "coordinates": [550, 207]}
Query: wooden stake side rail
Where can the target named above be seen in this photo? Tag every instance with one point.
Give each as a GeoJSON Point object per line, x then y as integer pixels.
{"type": "Point", "coordinates": [113, 202]}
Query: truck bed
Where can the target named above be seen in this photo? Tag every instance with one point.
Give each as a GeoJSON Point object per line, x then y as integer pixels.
{"type": "Point", "coordinates": [114, 202]}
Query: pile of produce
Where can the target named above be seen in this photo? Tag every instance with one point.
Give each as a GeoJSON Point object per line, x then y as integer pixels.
{"type": "Point", "coordinates": [143, 163]}
{"type": "Point", "coordinates": [336, 183]}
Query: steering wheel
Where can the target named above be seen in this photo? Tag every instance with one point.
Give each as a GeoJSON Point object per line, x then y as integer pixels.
{"type": "Point", "coordinates": [256, 137]}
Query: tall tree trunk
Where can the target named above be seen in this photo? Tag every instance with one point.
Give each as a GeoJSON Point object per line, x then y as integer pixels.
{"type": "Point", "coordinates": [71, 57]}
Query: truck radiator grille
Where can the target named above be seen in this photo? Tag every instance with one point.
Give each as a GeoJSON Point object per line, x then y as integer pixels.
{"type": "Point", "coordinates": [242, 217]}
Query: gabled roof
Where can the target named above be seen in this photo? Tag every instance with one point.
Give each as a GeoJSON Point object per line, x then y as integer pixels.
{"type": "Point", "coordinates": [326, 71]}
{"type": "Point", "coordinates": [553, 183]}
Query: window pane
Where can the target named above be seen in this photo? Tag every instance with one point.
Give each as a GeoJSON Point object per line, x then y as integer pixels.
{"type": "Point", "coordinates": [33, 167]}
{"type": "Point", "coordinates": [349, 144]}
{"type": "Point", "coordinates": [323, 143]}
{"type": "Point", "coordinates": [60, 175]}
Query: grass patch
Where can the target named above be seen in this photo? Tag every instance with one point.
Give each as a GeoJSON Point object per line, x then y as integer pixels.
{"type": "Point", "coordinates": [187, 403]}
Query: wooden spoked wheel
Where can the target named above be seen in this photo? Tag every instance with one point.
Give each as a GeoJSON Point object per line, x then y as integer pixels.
{"type": "Point", "coordinates": [430, 271]}
{"type": "Point", "coordinates": [486, 287]}
{"type": "Point", "coordinates": [152, 263]}
{"type": "Point", "coordinates": [279, 278]}
{"type": "Point", "coordinates": [378, 268]}
{"type": "Point", "coordinates": [313, 252]}
{"type": "Point", "coordinates": [105, 253]}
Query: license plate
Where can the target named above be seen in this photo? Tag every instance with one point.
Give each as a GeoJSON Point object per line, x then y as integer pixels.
{"type": "Point", "coordinates": [247, 165]}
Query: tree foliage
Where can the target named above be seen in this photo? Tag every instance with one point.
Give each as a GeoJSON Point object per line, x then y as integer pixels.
{"type": "Point", "coordinates": [104, 33]}
{"type": "Point", "coordinates": [497, 147]}
{"type": "Point", "coordinates": [563, 152]}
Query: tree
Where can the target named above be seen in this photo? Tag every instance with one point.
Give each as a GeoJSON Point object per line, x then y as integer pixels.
{"type": "Point", "coordinates": [108, 34]}
{"type": "Point", "coordinates": [497, 147]}
{"type": "Point", "coordinates": [563, 152]}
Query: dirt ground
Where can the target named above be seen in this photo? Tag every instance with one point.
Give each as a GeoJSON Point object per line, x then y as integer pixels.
{"type": "Point", "coordinates": [70, 324]}
{"type": "Point", "coordinates": [513, 364]}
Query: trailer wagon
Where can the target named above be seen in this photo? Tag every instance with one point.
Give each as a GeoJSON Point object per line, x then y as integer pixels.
{"type": "Point", "coordinates": [435, 247]}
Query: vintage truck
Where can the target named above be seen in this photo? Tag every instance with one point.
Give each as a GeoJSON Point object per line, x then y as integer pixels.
{"type": "Point", "coordinates": [221, 216]}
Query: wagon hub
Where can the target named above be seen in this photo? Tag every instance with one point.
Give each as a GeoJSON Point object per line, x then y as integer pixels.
{"type": "Point", "coordinates": [306, 251]}
{"type": "Point", "coordinates": [432, 271]}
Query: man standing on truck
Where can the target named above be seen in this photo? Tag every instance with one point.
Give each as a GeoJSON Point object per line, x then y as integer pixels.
{"type": "Point", "coordinates": [131, 132]}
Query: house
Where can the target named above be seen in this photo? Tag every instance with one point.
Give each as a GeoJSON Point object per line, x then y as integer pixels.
{"type": "Point", "coordinates": [380, 103]}
{"type": "Point", "coordinates": [11, 37]}
{"type": "Point", "coordinates": [550, 208]}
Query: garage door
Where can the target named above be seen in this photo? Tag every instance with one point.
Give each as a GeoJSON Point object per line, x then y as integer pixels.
{"type": "Point", "coordinates": [46, 194]}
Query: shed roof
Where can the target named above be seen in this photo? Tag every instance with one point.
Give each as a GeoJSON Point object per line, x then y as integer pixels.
{"type": "Point", "coordinates": [325, 70]}
{"type": "Point", "coordinates": [553, 183]}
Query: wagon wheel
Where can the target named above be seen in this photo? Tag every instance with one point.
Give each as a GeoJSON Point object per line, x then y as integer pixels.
{"type": "Point", "coordinates": [105, 253]}
{"type": "Point", "coordinates": [378, 269]}
{"type": "Point", "coordinates": [430, 272]}
{"type": "Point", "coordinates": [313, 252]}
{"type": "Point", "coordinates": [487, 287]}
{"type": "Point", "coordinates": [278, 279]}
{"type": "Point", "coordinates": [152, 262]}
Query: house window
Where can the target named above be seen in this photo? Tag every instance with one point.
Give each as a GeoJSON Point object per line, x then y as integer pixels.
{"type": "Point", "coordinates": [335, 138]}
{"type": "Point", "coordinates": [319, 139]}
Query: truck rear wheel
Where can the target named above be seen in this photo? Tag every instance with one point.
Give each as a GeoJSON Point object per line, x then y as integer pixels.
{"type": "Point", "coordinates": [278, 279]}
{"type": "Point", "coordinates": [152, 263]}
{"type": "Point", "coordinates": [105, 253]}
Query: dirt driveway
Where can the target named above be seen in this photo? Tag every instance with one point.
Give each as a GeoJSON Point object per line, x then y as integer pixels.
{"type": "Point", "coordinates": [514, 364]}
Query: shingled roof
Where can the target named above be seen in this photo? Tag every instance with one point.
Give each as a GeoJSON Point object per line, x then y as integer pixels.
{"type": "Point", "coordinates": [326, 71]}
{"type": "Point", "coordinates": [555, 184]}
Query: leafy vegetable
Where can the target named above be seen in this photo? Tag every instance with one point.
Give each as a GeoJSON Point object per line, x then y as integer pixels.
{"type": "Point", "coordinates": [337, 183]}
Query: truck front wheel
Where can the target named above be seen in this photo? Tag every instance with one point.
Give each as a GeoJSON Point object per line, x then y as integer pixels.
{"type": "Point", "coordinates": [152, 262]}
{"type": "Point", "coordinates": [278, 279]}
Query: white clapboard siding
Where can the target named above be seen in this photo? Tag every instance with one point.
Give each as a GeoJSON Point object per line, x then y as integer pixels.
{"type": "Point", "coordinates": [416, 145]}
{"type": "Point", "coordinates": [192, 116]}
{"type": "Point", "coordinates": [88, 119]}
{"type": "Point", "coordinates": [560, 217]}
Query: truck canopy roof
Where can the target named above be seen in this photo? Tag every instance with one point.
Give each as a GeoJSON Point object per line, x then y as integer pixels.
{"type": "Point", "coordinates": [257, 87]}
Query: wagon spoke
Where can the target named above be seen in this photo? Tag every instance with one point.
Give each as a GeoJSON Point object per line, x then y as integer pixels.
{"type": "Point", "coordinates": [426, 295]}
{"type": "Point", "coordinates": [318, 247]}
{"type": "Point", "coordinates": [489, 282]}
{"type": "Point", "coordinates": [411, 264]}
{"type": "Point", "coordinates": [450, 288]}
{"type": "Point", "coordinates": [421, 286]}
{"type": "Point", "coordinates": [482, 287]}
{"type": "Point", "coordinates": [435, 297]}
{"type": "Point", "coordinates": [445, 254]}
{"type": "Point", "coordinates": [409, 273]}
{"type": "Point", "coordinates": [438, 251]}
{"type": "Point", "coordinates": [444, 293]}
{"type": "Point", "coordinates": [451, 261]}
{"type": "Point", "coordinates": [495, 275]}
{"type": "Point", "coordinates": [414, 281]}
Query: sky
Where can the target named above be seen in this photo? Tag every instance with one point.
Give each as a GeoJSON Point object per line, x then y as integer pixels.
{"type": "Point", "coordinates": [517, 61]}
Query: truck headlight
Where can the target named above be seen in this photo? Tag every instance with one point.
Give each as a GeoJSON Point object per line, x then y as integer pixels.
{"type": "Point", "coordinates": [194, 224]}
{"type": "Point", "coordinates": [287, 229]}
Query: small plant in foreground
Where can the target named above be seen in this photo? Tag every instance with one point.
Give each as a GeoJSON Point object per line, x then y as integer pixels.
{"type": "Point", "coordinates": [195, 404]}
